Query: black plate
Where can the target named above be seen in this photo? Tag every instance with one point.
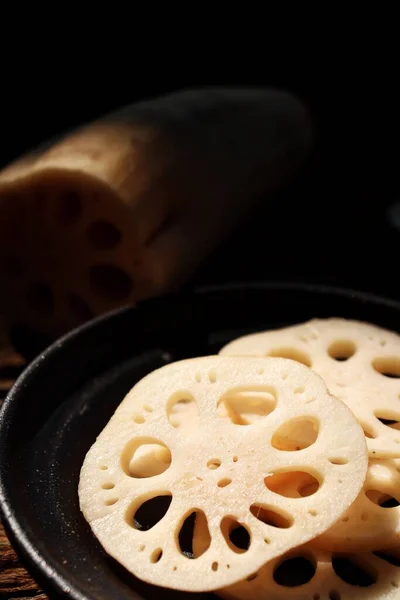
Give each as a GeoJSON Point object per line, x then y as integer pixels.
{"type": "Point", "coordinates": [66, 396]}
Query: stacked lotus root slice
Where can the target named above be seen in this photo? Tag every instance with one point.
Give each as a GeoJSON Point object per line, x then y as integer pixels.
{"type": "Point", "coordinates": [271, 470]}
{"type": "Point", "coordinates": [359, 556]}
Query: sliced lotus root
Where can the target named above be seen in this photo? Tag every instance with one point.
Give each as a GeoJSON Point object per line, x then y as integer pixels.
{"type": "Point", "coordinates": [121, 210]}
{"type": "Point", "coordinates": [309, 574]}
{"type": "Point", "coordinates": [359, 362]}
{"type": "Point", "coordinates": [373, 521]}
{"type": "Point", "coordinates": [220, 468]}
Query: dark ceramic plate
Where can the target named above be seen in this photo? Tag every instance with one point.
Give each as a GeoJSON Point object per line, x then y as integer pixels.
{"type": "Point", "coordinates": [66, 396]}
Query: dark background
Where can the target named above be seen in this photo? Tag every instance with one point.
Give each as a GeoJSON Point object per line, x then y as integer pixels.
{"type": "Point", "coordinates": [331, 225]}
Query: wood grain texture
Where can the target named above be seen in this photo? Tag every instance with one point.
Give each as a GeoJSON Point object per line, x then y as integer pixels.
{"type": "Point", "coordinates": [15, 581]}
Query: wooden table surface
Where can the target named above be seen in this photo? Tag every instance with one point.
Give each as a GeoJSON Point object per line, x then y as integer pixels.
{"type": "Point", "coordinates": [15, 581]}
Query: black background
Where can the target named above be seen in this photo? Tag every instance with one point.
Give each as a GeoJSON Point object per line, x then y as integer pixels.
{"type": "Point", "coordinates": [330, 226]}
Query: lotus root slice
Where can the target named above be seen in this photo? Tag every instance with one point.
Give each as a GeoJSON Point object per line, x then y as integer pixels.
{"type": "Point", "coordinates": [211, 454]}
{"type": "Point", "coordinates": [359, 362]}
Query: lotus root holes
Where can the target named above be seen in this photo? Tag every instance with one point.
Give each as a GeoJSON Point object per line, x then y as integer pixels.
{"type": "Point", "coordinates": [185, 534]}
{"type": "Point", "coordinates": [335, 460]}
{"type": "Point", "coordinates": [342, 350]}
{"type": "Point", "coordinates": [103, 235]}
{"type": "Point", "coordinates": [144, 513]}
{"type": "Point", "coordinates": [293, 354]}
{"type": "Point", "coordinates": [389, 557]}
{"type": "Point", "coordinates": [388, 366]}
{"type": "Point", "coordinates": [214, 463]}
{"type": "Point", "coordinates": [111, 501]}
{"type": "Point", "coordinates": [212, 376]}
{"type": "Point", "coordinates": [156, 555]}
{"type": "Point", "coordinates": [224, 482]}
{"type": "Point", "coordinates": [296, 434]}
{"type": "Point", "coordinates": [382, 499]}
{"type": "Point", "coordinates": [246, 405]}
{"type": "Point", "coordinates": [145, 457]}
{"type": "Point", "coordinates": [271, 516]}
{"type": "Point", "coordinates": [349, 570]}
{"type": "Point", "coordinates": [390, 420]}
{"type": "Point", "coordinates": [292, 484]}
{"type": "Point", "coordinates": [368, 431]}
{"type": "Point", "coordinates": [107, 486]}
{"type": "Point", "coordinates": [236, 535]}
{"type": "Point", "coordinates": [182, 411]}
{"type": "Point", "coordinates": [294, 571]}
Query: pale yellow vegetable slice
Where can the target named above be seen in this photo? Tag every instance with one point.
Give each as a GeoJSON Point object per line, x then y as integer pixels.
{"type": "Point", "coordinates": [220, 468]}
{"type": "Point", "coordinates": [309, 574]}
{"type": "Point", "coordinates": [373, 520]}
{"type": "Point", "coordinates": [371, 523]}
{"type": "Point", "coordinates": [359, 362]}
